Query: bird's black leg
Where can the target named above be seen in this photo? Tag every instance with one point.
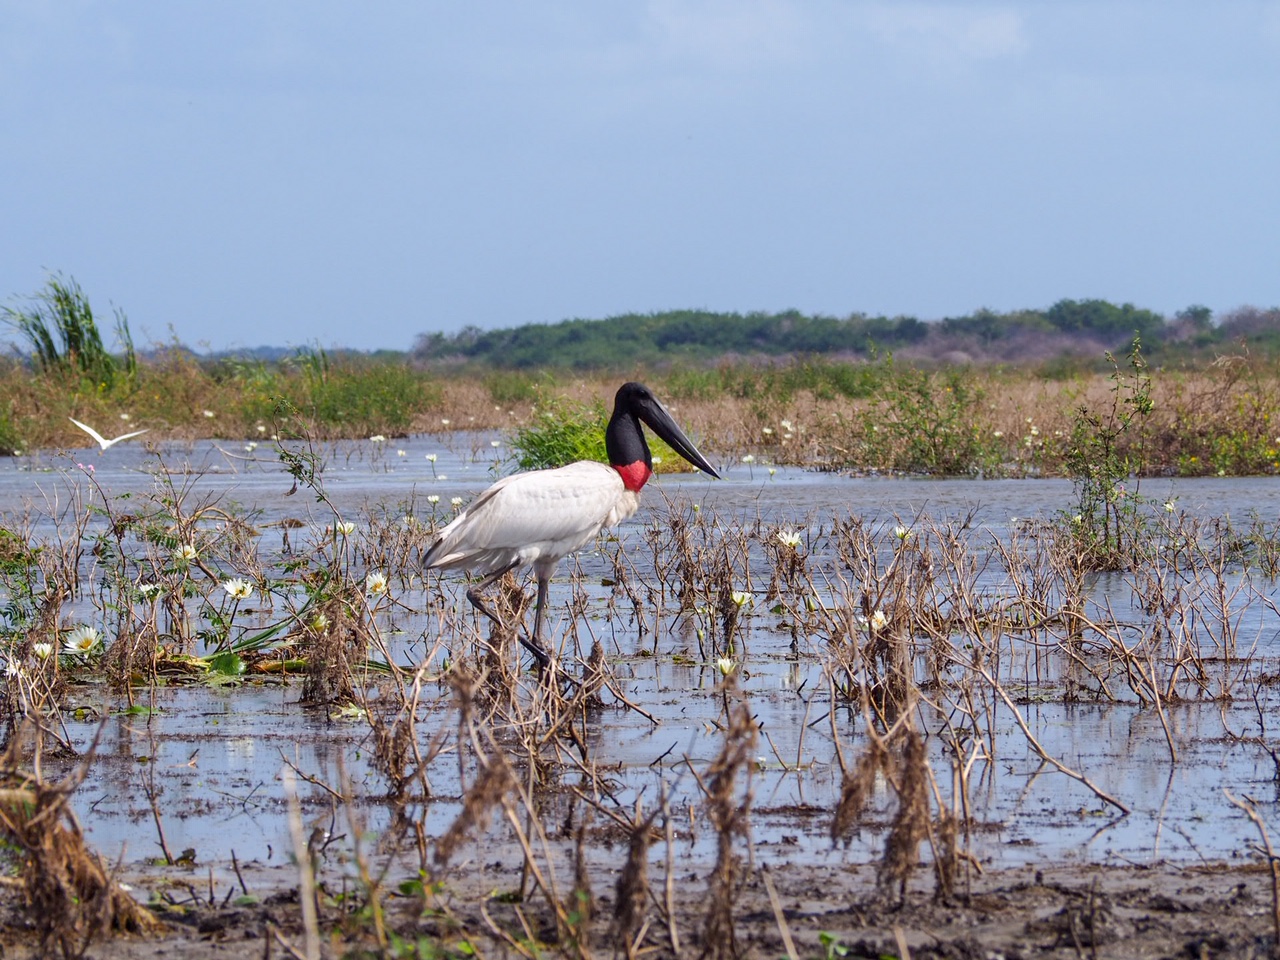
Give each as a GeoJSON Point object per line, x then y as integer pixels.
{"type": "Point", "coordinates": [477, 601]}
{"type": "Point", "coordinates": [536, 647]}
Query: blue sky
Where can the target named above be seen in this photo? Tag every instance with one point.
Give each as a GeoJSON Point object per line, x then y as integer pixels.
{"type": "Point", "coordinates": [244, 173]}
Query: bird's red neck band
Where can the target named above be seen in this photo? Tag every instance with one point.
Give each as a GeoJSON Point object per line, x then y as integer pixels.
{"type": "Point", "coordinates": [634, 475]}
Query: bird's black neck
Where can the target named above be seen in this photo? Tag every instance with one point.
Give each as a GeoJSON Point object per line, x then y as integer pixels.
{"type": "Point", "coordinates": [628, 452]}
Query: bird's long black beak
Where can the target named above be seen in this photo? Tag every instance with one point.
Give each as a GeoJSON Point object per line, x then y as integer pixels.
{"type": "Point", "coordinates": [655, 415]}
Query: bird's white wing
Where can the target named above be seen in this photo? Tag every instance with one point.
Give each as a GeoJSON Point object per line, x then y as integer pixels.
{"type": "Point", "coordinates": [126, 436]}
{"type": "Point", "coordinates": [90, 431]}
{"type": "Point", "coordinates": [542, 514]}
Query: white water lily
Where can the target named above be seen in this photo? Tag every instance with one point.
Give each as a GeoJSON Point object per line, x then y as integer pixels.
{"type": "Point", "coordinates": [456, 501]}
{"type": "Point", "coordinates": [878, 620]}
{"type": "Point", "coordinates": [344, 528]}
{"type": "Point", "coordinates": [433, 498]}
{"type": "Point", "coordinates": [789, 538]}
{"type": "Point", "coordinates": [741, 597]}
{"type": "Point", "coordinates": [320, 623]}
{"type": "Point", "coordinates": [82, 640]}
{"type": "Point", "coordinates": [901, 532]}
{"type": "Point", "coordinates": [377, 438]}
{"type": "Point", "coordinates": [185, 553]}
{"type": "Point", "coordinates": [238, 588]}
{"type": "Point", "coordinates": [725, 665]}
{"type": "Point", "coordinates": [375, 584]}
{"type": "Point", "coordinates": [149, 589]}
{"type": "Point", "coordinates": [42, 650]}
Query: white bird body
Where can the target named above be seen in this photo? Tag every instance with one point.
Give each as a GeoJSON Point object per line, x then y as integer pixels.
{"type": "Point", "coordinates": [102, 441]}
{"type": "Point", "coordinates": [534, 519]}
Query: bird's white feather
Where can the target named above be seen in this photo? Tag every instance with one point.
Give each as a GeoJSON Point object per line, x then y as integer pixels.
{"type": "Point", "coordinates": [533, 518]}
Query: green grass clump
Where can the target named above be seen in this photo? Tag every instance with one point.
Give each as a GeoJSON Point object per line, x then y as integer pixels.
{"type": "Point", "coordinates": [59, 326]}
{"type": "Point", "coordinates": [561, 433]}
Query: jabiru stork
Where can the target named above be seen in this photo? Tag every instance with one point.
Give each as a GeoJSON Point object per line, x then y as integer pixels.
{"type": "Point", "coordinates": [538, 517]}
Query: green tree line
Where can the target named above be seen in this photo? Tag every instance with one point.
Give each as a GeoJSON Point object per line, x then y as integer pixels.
{"type": "Point", "coordinates": [1084, 327]}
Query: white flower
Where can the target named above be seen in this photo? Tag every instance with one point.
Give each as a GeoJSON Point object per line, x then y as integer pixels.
{"type": "Point", "coordinates": [148, 589]}
{"type": "Point", "coordinates": [495, 443]}
{"type": "Point", "coordinates": [401, 453]}
{"type": "Point", "coordinates": [186, 553]}
{"type": "Point", "coordinates": [901, 532]}
{"type": "Point", "coordinates": [444, 422]}
{"type": "Point", "coordinates": [431, 457]}
{"type": "Point", "coordinates": [741, 597]}
{"type": "Point", "coordinates": [456, 501]}
{"type": "Point", "coordinates": [344, 528]}
{"type": "Point", "coordinates": [261, 428]}
{"type": "Point", "coordinates": [749, 459]}
{"type": "Point", "coordinates": [656, 460]}
{"type": "Point", "coordinates": [433, 498]}
{"type": "Point", "coordinates": [377, 438]}
{"type": "Point", "coordinates": [124, 416]}
{"type": "Point", "coordinates": [1170, 506]}
{"type": "Point", "coordinates": [42, 650]}
{"type": "Point", "coordinates": [725, 665]}
{"type": "Point", "coordinates": [238, 588]}
{"type": "Point", "coordinates": [789, 538]}
{"type": "Point", "coordinates": [375, 584]}
{"type": "Point", "coordinates": [767, 431]}
{"type": "Point", "coordinates": [82, 640]}
{"type": "Point", "coordinates": [320, 623]}
{"type": "Point", "coordinates": [878, 620]}
{"type": "Point", "coordinates": [13, 669]}
{"type": "Point", "coordinates": [786, 425]}
{"type": "Point", "coordinates": [207, 413]}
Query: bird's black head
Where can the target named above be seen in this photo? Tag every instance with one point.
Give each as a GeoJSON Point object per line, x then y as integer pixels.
{"type": "Point", "coordinates": [624, 441]}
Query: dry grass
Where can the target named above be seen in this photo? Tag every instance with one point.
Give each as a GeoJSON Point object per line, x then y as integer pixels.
{"type": "Point", "coordinates": [70, 892]}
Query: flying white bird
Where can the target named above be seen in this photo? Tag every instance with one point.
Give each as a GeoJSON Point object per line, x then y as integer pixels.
{"type": "Point", "coordinates": [101, 440]}
{"type": "Point", "coordinates": [538, 517]}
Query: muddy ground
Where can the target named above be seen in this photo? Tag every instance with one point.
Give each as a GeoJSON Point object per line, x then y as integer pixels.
{"type": "Point", "coordinates": [1162, 910]}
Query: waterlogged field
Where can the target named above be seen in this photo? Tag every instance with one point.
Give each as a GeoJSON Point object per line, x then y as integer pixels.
{"type": "Point", "coordinates": [911, 683]}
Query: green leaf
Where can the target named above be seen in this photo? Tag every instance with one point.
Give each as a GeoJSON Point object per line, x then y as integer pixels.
{"type": "Point", "coordinates": [227, 664]}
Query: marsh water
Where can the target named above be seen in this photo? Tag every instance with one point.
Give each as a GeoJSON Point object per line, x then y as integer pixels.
{"type": "Point", "coordinates": [212, 754]}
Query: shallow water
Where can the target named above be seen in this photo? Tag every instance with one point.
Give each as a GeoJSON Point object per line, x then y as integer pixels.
{"type": "Point", "coordinates": [212, 757]}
